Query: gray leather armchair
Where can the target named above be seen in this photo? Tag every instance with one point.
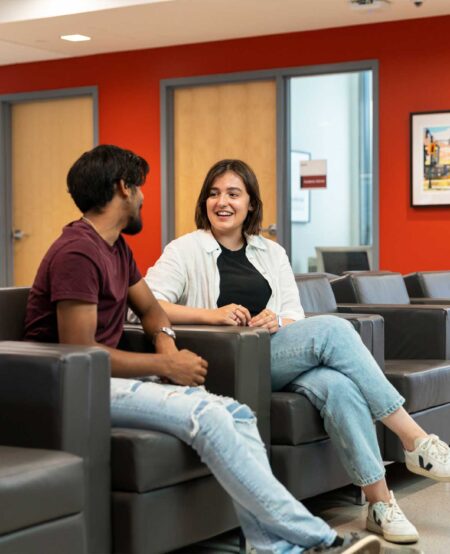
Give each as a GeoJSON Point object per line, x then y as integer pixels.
{"type": "Point", "coordinates": [417, 347]}
{"type": "Point", "coordinates": [163, 497]}
{"type": "Point", "coordinates": [54, 428]}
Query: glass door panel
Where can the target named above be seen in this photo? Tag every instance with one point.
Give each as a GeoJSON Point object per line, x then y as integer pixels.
{"type": "Point", "coordinates": [330, 120]}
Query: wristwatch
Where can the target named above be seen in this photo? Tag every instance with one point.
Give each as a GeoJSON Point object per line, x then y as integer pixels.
{"type": "Point", "coordinates": [167, 331]}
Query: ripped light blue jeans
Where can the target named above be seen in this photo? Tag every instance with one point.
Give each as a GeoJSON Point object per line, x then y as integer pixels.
{"type": "Point", "coordinates": [224, 434]}
{"type": "Point", "coordinates": [324, 358]}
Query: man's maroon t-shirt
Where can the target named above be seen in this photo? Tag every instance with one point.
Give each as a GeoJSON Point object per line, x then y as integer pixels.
{"type": "Point", "coordinates": [80, 265]}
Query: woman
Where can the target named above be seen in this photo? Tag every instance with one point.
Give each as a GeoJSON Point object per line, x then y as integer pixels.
{"type": "Point", "coordinates": [225, 273]}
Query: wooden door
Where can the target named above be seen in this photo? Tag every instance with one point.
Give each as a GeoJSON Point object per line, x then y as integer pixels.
{"type": "Point", "coordinates": [223, 121]}
{"type": "Point", "coordinates": [47, 137]}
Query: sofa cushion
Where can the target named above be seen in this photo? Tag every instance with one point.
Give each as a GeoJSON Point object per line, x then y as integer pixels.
{"type": "Point", "coordinates": [38, 486]}
{"type": "Point", "coordinates": [144, 460]}
{"type": "Point", "coordinates": [423, 383]}
{"type": "Point", "coordinates": [294, 420]}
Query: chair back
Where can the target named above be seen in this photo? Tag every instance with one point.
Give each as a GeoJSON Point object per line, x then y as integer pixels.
{"type": "Point", "coordinates": [370, 288]}
{"type": "Point", "coordinates": [428, 284]}
{"type": "Point", "coordinates": [13, 305]}
{"type": "Point", "coordinates": [316, 294]}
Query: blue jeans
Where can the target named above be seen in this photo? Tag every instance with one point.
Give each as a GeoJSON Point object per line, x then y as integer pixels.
{"type": "Point", "coordinates": [323, 358]}
{"type": "Point", "coordinates": [224, 434]}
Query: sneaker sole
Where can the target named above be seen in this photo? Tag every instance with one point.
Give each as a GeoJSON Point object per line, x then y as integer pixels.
{"type": "Point", "coordinates": [420, 471]}
{"type": "Point", "coordinates": [367, 545]}
{"type": "Point", "coordinates": [399, 539]}
{"type": "Point", "coordinates": [403, 550]}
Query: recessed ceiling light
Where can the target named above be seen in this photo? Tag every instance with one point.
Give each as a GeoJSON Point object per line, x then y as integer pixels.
{"type": "Point", "coordinates": [75, 38]}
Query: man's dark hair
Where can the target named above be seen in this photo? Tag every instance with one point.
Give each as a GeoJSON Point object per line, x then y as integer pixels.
{"type": "Point", "coordinates": [252, 223]}
{"type": "Point", "coordinates": [92, 179]}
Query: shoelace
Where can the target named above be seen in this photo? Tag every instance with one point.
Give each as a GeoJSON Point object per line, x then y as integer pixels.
{"type": "Point", "coordinates": [436, 448]}
{"type": "Point", "coordinates": [393, 512]}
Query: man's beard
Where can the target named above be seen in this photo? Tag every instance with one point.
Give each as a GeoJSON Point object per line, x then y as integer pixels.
{"type": "Point", "coordinates": [134, 225]}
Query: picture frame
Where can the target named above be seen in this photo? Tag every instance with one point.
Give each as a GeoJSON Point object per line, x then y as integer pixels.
{"type": "Point", "coordinates": [430, 158]}
{"type": "Point", "coordinates": [300, 198]}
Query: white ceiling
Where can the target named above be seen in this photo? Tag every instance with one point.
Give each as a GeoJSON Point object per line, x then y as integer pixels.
{"type": "Point", "coordinates": [30, 29]}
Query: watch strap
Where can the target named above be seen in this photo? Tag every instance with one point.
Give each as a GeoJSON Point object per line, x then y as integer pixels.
{"type": "Point", "coordinates": [167, 331]}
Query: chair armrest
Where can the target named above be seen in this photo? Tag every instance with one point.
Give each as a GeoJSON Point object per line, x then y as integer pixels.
{"type": "Point", "coordinates": [411, 332]}
{"type": "Point", "coordinates": [432, 301]}
{"type": "Point", "coordinates": [369, 327]}
{"type": "Point", "coordinates": [54, 397]}
{"type": "Point", "coordinates": [238, 358]}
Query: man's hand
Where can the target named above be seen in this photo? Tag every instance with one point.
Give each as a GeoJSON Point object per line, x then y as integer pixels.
{"type": "Point", "coordinates": [231, 314]}
{"type": "Point", "coordinates": [267, 320]}
{"type": "Point", "coordinates": [186, 368]}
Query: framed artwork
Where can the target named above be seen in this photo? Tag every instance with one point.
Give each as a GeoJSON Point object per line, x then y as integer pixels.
{"type": "Point", "coordinates": [300, 199]}
{"type": "Point", "coordinates": [430, 159]}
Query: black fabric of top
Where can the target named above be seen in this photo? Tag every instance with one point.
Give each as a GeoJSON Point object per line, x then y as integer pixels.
{"type": "Point", "coordinates": [240, 282]}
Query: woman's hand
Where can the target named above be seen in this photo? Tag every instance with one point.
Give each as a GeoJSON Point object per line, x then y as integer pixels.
{"type": "Point", "coordinates": [265, 319]}
{"type": "Point", "coordinates": [231, 314]}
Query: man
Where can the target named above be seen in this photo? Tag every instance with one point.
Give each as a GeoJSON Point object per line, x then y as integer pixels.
{"type": "Point", "coordinates": [80, 296]}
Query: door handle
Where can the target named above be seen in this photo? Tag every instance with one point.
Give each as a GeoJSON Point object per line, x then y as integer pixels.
{"type": "Point", "coordinates": [271, 229]}
{"type": "Point", "coordinates": [18, 234]}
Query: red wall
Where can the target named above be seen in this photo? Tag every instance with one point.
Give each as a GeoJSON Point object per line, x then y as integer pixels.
{"type": "Point", "coordinates": [414, 57]}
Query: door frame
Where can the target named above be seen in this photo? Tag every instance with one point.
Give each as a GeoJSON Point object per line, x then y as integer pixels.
{"type": "Point", "coordinates": [281, 77]}
{"type": "Point", "coordinates": [6, 103]}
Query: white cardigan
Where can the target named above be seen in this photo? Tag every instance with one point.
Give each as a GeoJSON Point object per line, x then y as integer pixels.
{"type": "Point", "coordinates": [187, 273]}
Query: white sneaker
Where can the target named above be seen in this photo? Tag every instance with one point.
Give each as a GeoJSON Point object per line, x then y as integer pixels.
{"type": "Point", "coordinates": [431, 457]}
{"type": "Point", "coordinates": [387, 519]}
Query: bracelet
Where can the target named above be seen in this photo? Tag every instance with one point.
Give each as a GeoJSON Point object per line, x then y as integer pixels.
{"type": "Point", "coordinates": [280, 321]}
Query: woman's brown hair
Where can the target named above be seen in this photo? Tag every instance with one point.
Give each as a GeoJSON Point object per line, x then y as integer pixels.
{"type": "Point", "coordinates": [253, 221]}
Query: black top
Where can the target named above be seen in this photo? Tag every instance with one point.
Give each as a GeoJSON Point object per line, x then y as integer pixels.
{"type": "Point", "coordinates": [240, 282]}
